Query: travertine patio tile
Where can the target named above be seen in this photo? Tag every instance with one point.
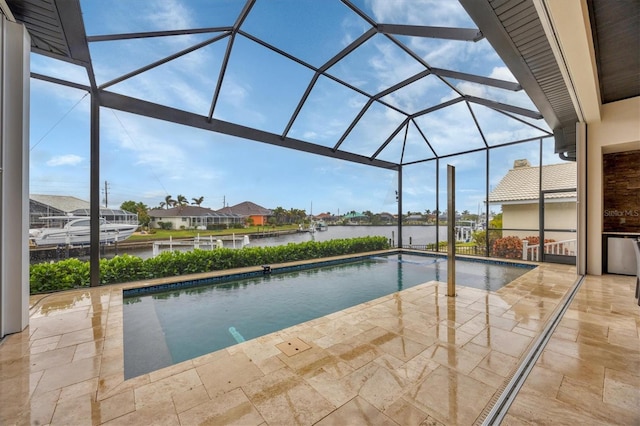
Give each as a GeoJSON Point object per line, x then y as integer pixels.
{"type": "Point", "coordinates": [459, 399]}
{"type": "Point", "coordinates": [283, 397]}
{"type": "Point", "coordinates": [156, 414]}
{"type": "Point", "coordinates": [453, 357]}
{"type": "Point", "coordinates": [405, 413]}
{"type": "Point", "coordinates": [356, 411]}
{"type": "Point", "coordinates": [190, 398]}
{"type": "Point", "coordinates": [507, 342]}
{"type": "Point", "coordinates": [39, 409]}
{"type": "Point", "coordinates": [89, 349]}
{"type": "Point", "coordinates": [377, 385]}
{"type": "Point", "coordinates": [88, 387]}
{"type": "Point", "coordinates": [163, 390]}
{"type": "Point", "coordinates": [232, 408]}
{"type": "Point", "coordinates": [382, 359]}
{"type": "Point", "coordinates": [543, 381]}
{"type": "Point", "coordinates": [68, 374]}
{"type": "Point", "coordinates": [499, 363]}
{"type": "Point", "coordinates": [228, 373]}
{"type": "Point", "coordinates": [335, 390]}
{"type": "Point", "coordinates": [621, 390]}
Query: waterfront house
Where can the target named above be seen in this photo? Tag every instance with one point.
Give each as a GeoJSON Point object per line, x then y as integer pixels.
{"type": "Point", "coordinates": [251, 212]}
{"type": "Point", "coordinates": [42, 206]}
{"type": "Point", "coordinates": [354, 217]}
{"type": "Point", "coordinates": [519, 195]}
{"type": "Point", "coordinates": [192, 217]}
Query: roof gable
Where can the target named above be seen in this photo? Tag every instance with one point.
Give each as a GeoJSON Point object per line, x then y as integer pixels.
{"type": "Point", "coordinates": [182, 211]}
{"type": "Point", "coordinates": [522, 183]}
{"type": "Point", "coordinates": [63, 203]}
{"type": "Point", "coordinates": [246, 208]}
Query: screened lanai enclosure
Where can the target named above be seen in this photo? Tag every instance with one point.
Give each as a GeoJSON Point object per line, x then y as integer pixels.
{"type": "Point", "coordinates": [386, 93]}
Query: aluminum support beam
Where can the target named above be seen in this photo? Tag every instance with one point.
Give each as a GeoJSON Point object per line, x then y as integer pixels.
{"type": "Point", "coordinates": [94, 193]}
{"type": "Point", "coordinates": [161, 112]}
{"type": "Point", "coordinates": [451, 230]}
{"type": "Point", "coordinates": [445, 33]}
{"type": "Point", "coordinates": [399, 197]}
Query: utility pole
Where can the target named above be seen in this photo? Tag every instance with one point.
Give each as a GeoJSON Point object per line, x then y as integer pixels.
{"type": "Point", "coordinates": [106, 194]}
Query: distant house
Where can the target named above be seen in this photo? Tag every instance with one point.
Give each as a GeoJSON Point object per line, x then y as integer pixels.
{"type": "Point", "coordinates": [518, 192]}
{"type": "Point", "coordinates": [251, 212]}
{"type": "Point", "coordinates": [192, 217]}
{"type": "Point", "coordinates": [326, 218]}
{"type": "Point", "coordinates": [414, 218]}
{"type": "Point", "coordinates": [52, 205]}
{"type": "Point", "coordinates": [387, 217]}
{"type": "Point", "coordinates": [64, 205]}
{"type": "Point", "coordinates": [354, 217]}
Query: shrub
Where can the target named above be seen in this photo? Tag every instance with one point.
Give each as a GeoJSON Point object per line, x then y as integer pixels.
{"type": "Point", "coordinates": [508, 247]}
{"type": "Point", "coordinates": [74, 273]}
{"type": "Point", "coordinates": [511, 247]}
{"type": "Point", "coordinates": [63, 275]}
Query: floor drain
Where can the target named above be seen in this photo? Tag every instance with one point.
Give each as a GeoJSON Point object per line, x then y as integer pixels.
{"type": "Point", "coordinates": [292, 346]}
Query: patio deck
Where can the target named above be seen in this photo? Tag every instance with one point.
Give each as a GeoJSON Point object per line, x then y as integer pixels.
{"type": "Point", "coordinates": [413, 357]}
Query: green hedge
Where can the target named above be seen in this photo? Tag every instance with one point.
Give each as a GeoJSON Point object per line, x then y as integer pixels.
{"type": "Point", "coordinates": [74, 273]}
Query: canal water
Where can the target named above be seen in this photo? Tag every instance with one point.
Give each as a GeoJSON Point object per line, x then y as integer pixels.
{"type": "Point", "coordinates": [418, 235]}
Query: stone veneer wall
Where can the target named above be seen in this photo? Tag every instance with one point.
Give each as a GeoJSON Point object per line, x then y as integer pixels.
{"type": "Point", "coordinates": [621, 187]}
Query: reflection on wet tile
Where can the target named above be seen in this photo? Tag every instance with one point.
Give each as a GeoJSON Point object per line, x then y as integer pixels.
{"type": "Point", "coordinates": [282, 397]}
{"type": "Point", "coordinates": [356, 411]}
{"type": "Point", "coordinates": [405, 413]}
{"type": "Point", "coordinates": [459, 399]}
{"type": "Point", "coordinates": [232, 408]}
{"type": "Point", "coordinates": [584, 375]}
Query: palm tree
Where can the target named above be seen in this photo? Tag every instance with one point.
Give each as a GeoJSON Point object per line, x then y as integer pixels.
{"type": "Point", "coordinates": [169, 202]}
{"type": "Point", "coordinates": [181, 200]}
{"type": "Point", "coordinates": [198, 201]}
{"type": "Point", "coordinates": [279, 214]}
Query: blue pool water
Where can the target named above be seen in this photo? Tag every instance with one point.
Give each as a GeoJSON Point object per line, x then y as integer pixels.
{"type": "Point", "coordinates": [166, 327]}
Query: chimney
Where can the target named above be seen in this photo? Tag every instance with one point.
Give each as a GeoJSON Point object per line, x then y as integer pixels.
{"type": "Point", "coordinates": [521, 163]}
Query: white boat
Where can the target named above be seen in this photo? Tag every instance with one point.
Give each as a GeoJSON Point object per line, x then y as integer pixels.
{"type": "Point", "coordinates": [75, 230]}
{"type": "Point", "coordinates": [320, 226]}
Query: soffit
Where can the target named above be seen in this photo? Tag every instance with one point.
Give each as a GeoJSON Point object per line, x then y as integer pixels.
{"type": "Point", "coordinates": [56, 28]}
{"type": "Point", "coordinates": [514, 29]}
{"type": "Point", "coordinates": [615, 26]}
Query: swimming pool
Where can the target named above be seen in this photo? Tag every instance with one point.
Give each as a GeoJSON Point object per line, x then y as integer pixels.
{"type": "Point", "coordinates": [162, 328]}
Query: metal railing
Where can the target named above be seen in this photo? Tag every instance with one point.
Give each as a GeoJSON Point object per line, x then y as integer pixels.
{"type": "Point", "coordinates": [563, 248]}
{"type": "Point", "coordinates": [467, 250]}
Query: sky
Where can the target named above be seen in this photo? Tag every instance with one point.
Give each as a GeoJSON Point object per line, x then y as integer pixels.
{"type": "Point", "coordinates": [145, 160]}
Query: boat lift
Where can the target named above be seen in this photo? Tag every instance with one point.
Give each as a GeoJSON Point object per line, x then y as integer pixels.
{"type": "Point", "coordinates": [199, 243]}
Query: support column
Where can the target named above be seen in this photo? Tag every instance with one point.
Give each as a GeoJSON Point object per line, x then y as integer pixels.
{"type": "Point", "coordinates": [581, 152]}
{"type": "Point", "coordinates": [451, 230]}
{"type": "Point", "coordinates": [400, 206]}
{"type": "Point", "coordinates": [94, 193]}
{"type": "Point", "coordinates": [15, 47]}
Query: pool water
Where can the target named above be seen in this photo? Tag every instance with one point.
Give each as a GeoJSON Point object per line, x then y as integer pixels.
{"type": "Point", "coordinates": [164, 328]}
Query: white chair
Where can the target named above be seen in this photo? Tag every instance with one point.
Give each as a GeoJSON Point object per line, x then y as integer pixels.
{"type": "Point", "coordinates": [636, 247]}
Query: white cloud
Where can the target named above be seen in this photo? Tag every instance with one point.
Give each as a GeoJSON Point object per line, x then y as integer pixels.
{"type": "Point", "coordinates": [64, 160]}
{"type": "Point", "coordinates": [169, 14]}
{"type": "Point", "coordinates": [502, 73]}
{"type": "Point", "coordinates": [420, 12]}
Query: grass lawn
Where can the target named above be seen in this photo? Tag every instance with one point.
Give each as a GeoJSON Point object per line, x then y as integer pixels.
{"type": "Point", "coordinates": [163, 234]}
